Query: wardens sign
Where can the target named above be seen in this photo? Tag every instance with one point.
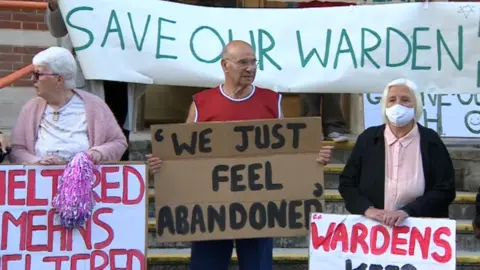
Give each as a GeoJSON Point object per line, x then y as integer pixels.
{"type": "Point", "coordinates": [343, 49]}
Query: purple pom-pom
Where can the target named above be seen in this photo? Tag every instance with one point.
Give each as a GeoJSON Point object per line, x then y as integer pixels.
{"type": "Point", "coordinates": [74, 201]}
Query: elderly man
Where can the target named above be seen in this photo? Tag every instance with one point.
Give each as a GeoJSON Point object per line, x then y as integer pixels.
{"type": "Point", "coordinates": [235, 100]}
{"type": "Point", "coordinates": [114, 93]}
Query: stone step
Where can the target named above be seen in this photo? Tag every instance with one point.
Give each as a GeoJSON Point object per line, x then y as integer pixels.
{"type": "Point", "coordinates": [464, 152]}
{"type": "Point", "coordinates": [465, 238]}
{"type": "Point", "coordinates": [331, 176]}
{"type": "Point", "coordinates": [462, 208]}
{"type": "Point", "coordinates": [331, 173]}
{"type": "Point", "coordinates": [284, 259]}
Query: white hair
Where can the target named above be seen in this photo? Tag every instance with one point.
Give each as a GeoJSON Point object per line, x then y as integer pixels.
{"type": "Point", "coordinates": [412, 87]}
{"type": "Point", "coordinates": [60, 61]}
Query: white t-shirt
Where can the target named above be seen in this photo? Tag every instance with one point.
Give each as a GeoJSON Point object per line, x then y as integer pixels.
{"type": "Point", "coordinates": [64, 133]}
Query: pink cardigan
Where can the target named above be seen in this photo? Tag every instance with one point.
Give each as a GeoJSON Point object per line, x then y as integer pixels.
{"type": "Point", "coordinates": [104, 133]}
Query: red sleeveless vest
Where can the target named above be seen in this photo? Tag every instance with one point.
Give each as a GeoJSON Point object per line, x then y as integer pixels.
{"type": "Point", "coordinates": [215, 105]}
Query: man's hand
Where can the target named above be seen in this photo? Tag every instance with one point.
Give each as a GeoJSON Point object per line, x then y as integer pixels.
{"type": "Point", "coordinates": [394, 218]}
{"type": "Point", "coordinates": [375, 214]}
{"type": "Point", "coordinates": [4, 142]}
{"type": "Point", "coordinates": [154, 163]}
{"type": "Point", "coordinates": [325, 154]}
{"type": "Point", "coordinates": [53, 5]}
{"type": "Point", "coordinates": [476, 227]}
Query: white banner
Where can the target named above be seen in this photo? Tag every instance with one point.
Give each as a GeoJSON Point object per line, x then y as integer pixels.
{"type": "Point", "coordinates": [342, 49]}
{"type": "Point", "coordinates": [32, 238]}
{"type": "Point", "coordinates": [450, 115]}
{"type": "Point", "coordinates": [354, 242]}
{"type": "Point", "coordinates": [358, 2]}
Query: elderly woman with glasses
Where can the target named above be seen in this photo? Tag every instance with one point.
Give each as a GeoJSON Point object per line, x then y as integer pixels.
{"type": "Point", "coordinates": [62, 121]}
{"type": "Point", "coordinates": [399, 169]}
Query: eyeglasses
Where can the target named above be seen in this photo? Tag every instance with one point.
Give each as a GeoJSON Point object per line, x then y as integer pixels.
{"type": "Point", "coordinates": [36, 75]}
{"type": "Point", "coordinates": [244, 63]}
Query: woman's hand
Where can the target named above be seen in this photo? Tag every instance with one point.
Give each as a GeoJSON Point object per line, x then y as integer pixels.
{"type": "Point", "coordinates": [154, 163]}
{"type": "Point", "coordinates": [325, 154]}
{"type": "Point", "coordinates": [375, 214]}
{"type": "Point", "coordinates": [394, 218]}
{"type": "Point", "coordinates": [4, 142]}
{"type": "Point", "coordinates": [95, 155]}
{"type": "Point", "coordinates": [50, 160]}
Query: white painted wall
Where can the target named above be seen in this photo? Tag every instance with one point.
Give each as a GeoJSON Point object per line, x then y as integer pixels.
{"type": "Point", "coordinates": [12, 99]}
{"type": "Point", "coordinates": [26, 38]}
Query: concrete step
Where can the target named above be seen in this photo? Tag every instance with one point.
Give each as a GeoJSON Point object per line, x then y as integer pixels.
{"type": "Point", "coordinates": [465, 153]}
{"type": "Point", "coordinates": [462, 208]}
{"type": "Point", "coordinates": [284, 259]}
{"type": "Point", "coordinates": [465, 238]}
{"type": "Point", "coordinates": [331, 176]}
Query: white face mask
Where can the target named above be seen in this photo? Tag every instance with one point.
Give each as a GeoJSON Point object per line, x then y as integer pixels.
{"type": "Point", "coordinates": [400, 115]}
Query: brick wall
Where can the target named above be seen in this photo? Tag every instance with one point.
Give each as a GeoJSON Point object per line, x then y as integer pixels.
{"type": "Point", "coordinates": [13, 58]}
{"type": "Point", "coordinates": [23, 19]}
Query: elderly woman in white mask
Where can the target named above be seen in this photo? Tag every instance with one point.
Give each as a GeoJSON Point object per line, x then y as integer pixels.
{"type": "Point", "coordinates": [399, 169]}
{"type": "Point", "coordinates": [62, 121]}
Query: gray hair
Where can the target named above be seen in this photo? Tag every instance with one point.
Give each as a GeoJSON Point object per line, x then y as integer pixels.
{"type": "Point", "coordinates": [60, 61]}
{"type": "Point", "coordinates": [412, 87]}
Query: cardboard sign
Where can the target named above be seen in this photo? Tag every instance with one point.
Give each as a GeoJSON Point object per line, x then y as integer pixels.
{"type": "Point", "coordinates": [31, 236]}
{"type": "Point", "coordinates": [355, 242]}
{"type": "Point", "coordinates": [450, 115]}
{"type": "Point", "coordinates": [235, 180]}
{"type": "Point", "coordinates": [316, 50]}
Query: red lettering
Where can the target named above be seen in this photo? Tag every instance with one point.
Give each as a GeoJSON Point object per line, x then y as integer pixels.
{"type": "Point", "coordinates": [105, 226]}
{"type": "Point", "coordinates": [57, 260]}
{"type": "Point", "coordinates": [399, 241]}
{"type": "Point", "coordinates": [318, 240]}
{"type": "Point", "coordinates": [69, 240]}
{"type": "Point", "coordinates": [55, 174]}
{"type": "Point", "coordinates": [340, 235]}
{"type": "Point", "coordinates": [422, 240]}
{"type": "Point", "coordinates": [93, 260]}
{"type": "Point", "coordinates": [447, 256]}
{"type": "Point", "coordinates": [9, 258]}
{"type": "Point", "coordinates": [142, 190]}
{"type": "Point", "coordinates": [118, 252]}
{"type": "Point", "coordinates": [77, 257]}
{"type": "Point", "coordinates": [32, 200]}
{"type": "Point", "coordinates": [374, 239]}
{"type": "Point", "coordinates": [32, 228]}
{"type": "Point", "coordinates": [359, 234]}
{"type": "Point", "coordinates": [137, 254]}
{"type": "Point", "coordinates": [20, 222]}
{"type": "Point", "coordinates": [98, 180]}
{"type": "Point", "coordinates": [55, 228]}
{"type": "Point", "coordinates": [28, 262]}
{"type": "Point", "coordinates": [112, 185]}
{"type": "Point", "coordinates": [86, 233]}
{"type": "Point", "coordinates": [13, 185]}
{"type": "Point", "coordinates": [3, 188]}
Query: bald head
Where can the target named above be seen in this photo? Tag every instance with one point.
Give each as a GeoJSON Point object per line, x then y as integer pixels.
{"type": "Point", "coordinates": [236, 48]}
{"type": "Point", "coordinates": [239, 63]}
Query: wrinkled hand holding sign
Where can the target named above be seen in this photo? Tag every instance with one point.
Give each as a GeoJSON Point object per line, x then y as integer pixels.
{"type": "Point", "coordinates": [237, 179]}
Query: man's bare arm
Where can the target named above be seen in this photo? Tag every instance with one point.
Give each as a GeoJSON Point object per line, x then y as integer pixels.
{"type": "Point", "coordinates": [192, 112]}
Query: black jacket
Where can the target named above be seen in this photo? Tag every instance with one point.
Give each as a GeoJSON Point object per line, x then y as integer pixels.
{"type": "Point", "coordinates": [362, 182]}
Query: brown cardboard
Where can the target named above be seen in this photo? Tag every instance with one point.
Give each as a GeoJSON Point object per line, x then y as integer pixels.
{"type": "Point", "coordinates": [188, 185]}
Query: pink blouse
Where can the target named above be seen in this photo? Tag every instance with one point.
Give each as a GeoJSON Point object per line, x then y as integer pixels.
{"type": "Point", "coordinates": [404, 179]}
